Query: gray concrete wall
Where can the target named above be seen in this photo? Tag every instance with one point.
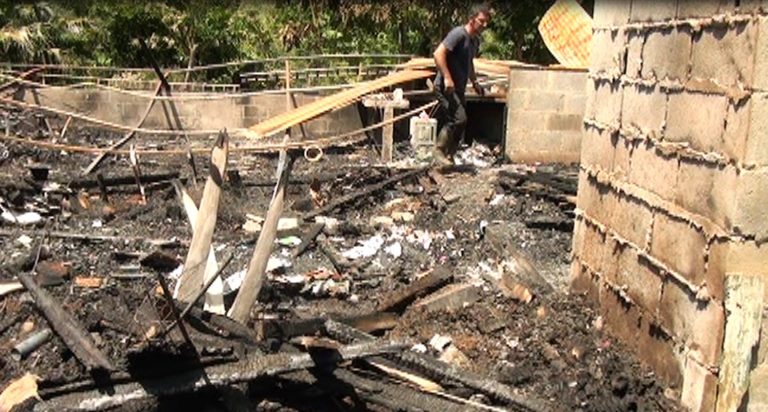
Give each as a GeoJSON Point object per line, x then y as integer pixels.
{"type": "Point", "coordinates": [231, 113]}
{"type": "Point", "coordinates": [673, 188]}
{"type": "Point", "coordinates": [545, 111]}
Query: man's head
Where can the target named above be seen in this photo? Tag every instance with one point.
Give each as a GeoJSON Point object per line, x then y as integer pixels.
{"type": "Point", "coordinates": [479, 18]}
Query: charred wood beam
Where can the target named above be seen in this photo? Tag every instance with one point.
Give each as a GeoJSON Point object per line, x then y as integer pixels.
{"type": "Point", "coordinates": [123, 180]}
{"type": "Point", "coordinates": [368, 322]}
{"type": "Point", "coordinates": [442, 371]}
{"type": "Point", "coordinates": [399, 298]}
{"type": "Point", "coordinates": [66, 326]}
{"type": "Point", "coordinates": [308, 239]}
{"type": "Point", "coordinates": [248, 369]}
{"type": "Point", "coordinates": [90, 238]}
{"type": "Point", "coordinates": [361, 193]}
{"type": "Point", "coordinates": [395, 397]}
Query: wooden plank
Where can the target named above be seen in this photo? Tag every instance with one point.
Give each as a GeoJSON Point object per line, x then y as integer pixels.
{"type": "Point", "coordinates": [191, 280]}
{"type": "Point", "coordinates": [329, 103]}
{"type": "Point", "coordinates": [254, 277]}
{"type": "Point", "coordinates": [744, 306]}
{"type": "Point", "coordinates": [214, 297]}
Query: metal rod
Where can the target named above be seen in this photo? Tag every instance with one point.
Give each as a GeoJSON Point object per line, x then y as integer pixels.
{"type": "Point", "coordinates": [29, 345]}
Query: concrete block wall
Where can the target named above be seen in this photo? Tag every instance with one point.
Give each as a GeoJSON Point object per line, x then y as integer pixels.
{"type": "Point", "coordinates": [673, 182]}
{"type": "Point", "coordinates": [215, 113]}
{"type": "Point", "coordinates": [545, 111]}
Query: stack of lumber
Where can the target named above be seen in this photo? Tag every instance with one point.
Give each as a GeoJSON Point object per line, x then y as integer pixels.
{"type": "Point", "coordinates": [319, 107]}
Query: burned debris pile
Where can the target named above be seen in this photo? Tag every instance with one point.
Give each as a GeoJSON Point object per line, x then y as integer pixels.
{"type": "Point", "coordinates": [367, 288]}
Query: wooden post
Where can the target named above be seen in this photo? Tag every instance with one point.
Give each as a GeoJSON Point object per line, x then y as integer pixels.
{"type": "Point", "coordinates": [214, 299]}
{"type": "Point", "coordinates": [254, 278]}
{"type": "Point", "coordinates": [191, 280]}
{"type": "Point", "coordinates": [387, 135]}
{"type": "Point", "coordinates": [744, 306]}
{"type": "Point", "coordinates": [387, 132]}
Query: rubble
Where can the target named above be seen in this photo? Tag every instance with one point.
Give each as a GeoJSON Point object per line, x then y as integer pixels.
{"type": "Point", "coordinates": [398, 253]}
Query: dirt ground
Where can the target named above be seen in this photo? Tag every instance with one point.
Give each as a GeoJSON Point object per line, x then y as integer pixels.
{"type": "Point", "coordinates": [501, 230]}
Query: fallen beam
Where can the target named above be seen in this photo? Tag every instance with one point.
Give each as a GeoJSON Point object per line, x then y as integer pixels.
{"type": "Point", "coordinates": [440, 371]}
{"type": "Point", "coordinates": [399, 298]}
{"type": "Point", "coordinates": [123, 180]}
{"type": "Point", "coordinates": [66, 326]}
{"type": "Point", "coordinates": [252, 367]}
{"type": "Point", "coordinates": [365, 192]}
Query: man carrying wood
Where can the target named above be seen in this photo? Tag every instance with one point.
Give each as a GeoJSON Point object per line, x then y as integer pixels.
{"type": "Point", "coordinates": [453, 58]}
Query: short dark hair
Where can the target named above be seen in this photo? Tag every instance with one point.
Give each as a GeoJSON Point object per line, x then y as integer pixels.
{"type": "Point", "coordinates": [479, 8]}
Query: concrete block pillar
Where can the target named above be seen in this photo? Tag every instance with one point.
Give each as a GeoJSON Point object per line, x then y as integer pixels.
{"type": "Point", "coordinates": [671, 237]}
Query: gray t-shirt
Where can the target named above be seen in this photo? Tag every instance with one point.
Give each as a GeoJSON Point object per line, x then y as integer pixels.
{"type": "Point", "coordinates": [462, 48]}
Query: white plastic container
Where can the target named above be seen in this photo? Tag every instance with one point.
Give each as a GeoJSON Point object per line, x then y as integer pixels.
{"type": "Point", "coordinates": [423, 131]}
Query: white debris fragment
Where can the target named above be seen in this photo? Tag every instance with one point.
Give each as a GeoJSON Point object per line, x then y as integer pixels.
{"type": "Point", "coordinates": [233, 282]}
{"type": "Point", "coordinates": [419, 348]}
{"type": "Point", "coordinates": [395, 250]}
{"type": "Point", "coordinates": [366, 248]}
{"type": "Point", "coordinates": [25, 241]}
{"type": "Point", "coordinates": [450, 235]}
{"type": "Point", "coordinates": [97, 223]}
{"type": "Point", "coordinates": [440, 342]}
{"type": "Point", "coordinates": [289, 241]}
{"type": "Point", "coordinates": [26, 218]}
{"type": "Point", "coordinates": [497, 200]}
{"type": "Point", "coordinates": [329, 222]}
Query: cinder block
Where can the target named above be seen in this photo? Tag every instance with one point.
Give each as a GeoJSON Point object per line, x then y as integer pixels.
{"type": "Point", "coordinates": [528, 79]}
{"type": "Point", "coordinates": [584, 282]}
{"type": "Point", "coordinates": [653, 171]}
{"type": "Point", "coordinates": [597, 149]}
{"type": "Point", "coordinates": [666, 54]}
{"type": "Point", "coordinates": [653, 10]}
{"type": "Point", "coordinates": [697, 8]}
{"type": "Point", "coordinates": [622, 159]}
{"type": "Point", "coordinates": [590, 106]}
{"type": "Point", "coordinates": [601, 253]}
{"type": "Point", "coordinates": [608, 52]}
{"type": "Point", "coordinates": [632, 221]}
{"type": "Point", "coordinates": [636, 40]}
{"type": "Point", "coordinates": [567, 81]}
{"type": "Point", "coordinates": [622, 319]}
{"type": "Point", "coordinates": [575, 104]}
{"type": "Point", "coordinates": [700, 325]}
{"type": "Point", "coordinates": [524, 120]}
{"type": "Point", "coordinates": [734, 256]}
{"type": "Point", "coordinates": [698, 193]}
{"type": "Point", "coordinates": [517, 99]}
{"type": "Point", "coordinates": [564, 122]}
{"type": "Point", "coordinates": [611, 13]}
{"type": "Point", "coordinates": [680, 246]}
{"type": "Point", "coordinates": [756, 151]}
{"type": "Point", "coordinates": [737, 129]}
{"type": "Point", "coordinates": [760, 75]}
{"type": "Point", "coordinates": [577, 240]}
{"type": "Point", "coordinates": [725, 54]}
{"type": "Point", "coordinates": [570, 144]}
{"type": "Point", "coordinates": [641, 281]}
{"type": "Point", "coordinates": [697, 119]}
{"type": "Point", "coordinates": [588, 194]}
{"type": "Point", "coordinates": [608, 103]}
{"type": "Point", "coordinates": [699, 388]}
{"type": "Point", "coordinates": [546, 101]}
{"type": "Point", "coordinates": [751, 199]}
{"type": "Point", "coordinates": [644, 109]}
{"type": "Point", "coordinates": [660, 351]}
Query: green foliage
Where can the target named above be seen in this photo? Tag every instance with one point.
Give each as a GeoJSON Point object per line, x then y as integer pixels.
{"type": "Point", "coordinates": [199, 32]}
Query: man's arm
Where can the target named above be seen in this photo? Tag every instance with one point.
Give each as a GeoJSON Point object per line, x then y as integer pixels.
{"type": "Point", "coordinates": [441, 61]}
{"type": "Point", "coordinates": [473, 78]}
